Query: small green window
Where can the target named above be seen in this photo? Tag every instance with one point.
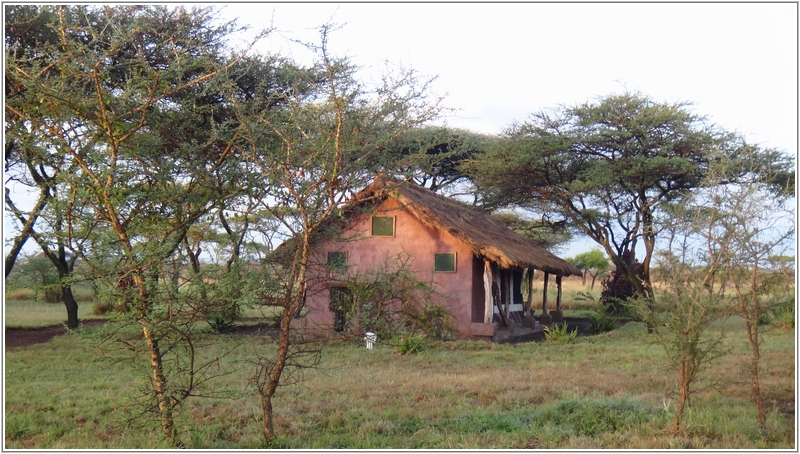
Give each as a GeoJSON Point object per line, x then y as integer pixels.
{"type": "Point", "coordinates": [383, 226]}
{"type": "Point", "coordinates": [444, 262]}
{"type": "Point", "coordinates": [337, 260]}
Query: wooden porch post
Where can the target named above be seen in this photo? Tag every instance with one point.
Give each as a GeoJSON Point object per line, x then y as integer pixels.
{"type": "Point", "coordinates": [558, 316]}
{"type": "Point", "coordinates": [545, 318]}
{"type": "Point", "coordinates": [528, 321]}
{"type": "Point", "coordinates": [529, 303]}
{"type": "Point", "coordinates": [488, 303]}
{"type": "Point", "coordinates": [558, 298]}
{"type": "Point", "coordinates": [506, 281]}
{"type": "Point", "coordinates": [544, 293]}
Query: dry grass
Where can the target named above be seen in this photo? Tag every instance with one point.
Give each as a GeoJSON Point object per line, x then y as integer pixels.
{"type": "Point", "coordinates": [18, 294]}
{"type": "Point", "coordinates": [570, 287]}
{"type": "Point", "coordinates": [464, 394]}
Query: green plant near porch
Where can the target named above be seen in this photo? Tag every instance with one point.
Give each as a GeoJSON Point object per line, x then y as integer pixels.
{"type": "Point", "coordinates": [559, 333]}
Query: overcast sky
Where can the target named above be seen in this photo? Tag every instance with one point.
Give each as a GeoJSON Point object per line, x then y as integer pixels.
{"type": "Point", "coordinates": [497, 63]}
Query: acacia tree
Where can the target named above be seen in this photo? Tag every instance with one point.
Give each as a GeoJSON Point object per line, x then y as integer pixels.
{"type": "Point", "coordinates": [28, 161]}
{"type": "Point", "coordinates": [431, 157]}
{"type": "Point", "coordinates": [691, 300]}
{"type": "Point", "coordinates": [714, 247]}
{"type": "Point", "coordinates": [25, 29]}
{"type": "Point", "coordinates": [593, 262]}
{"type": "Point", "coordinates": [609, 166]}
{"type": "Point", "coordinates": [747, 227]}
{"type": "Point", "coordinates": [130, 99]}
{"type": "Point", "coordinates": [313, 155]}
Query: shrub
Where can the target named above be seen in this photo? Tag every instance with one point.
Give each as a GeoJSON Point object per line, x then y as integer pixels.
{"type": "Point", "coordinates": [431, 319]}
{"type": "Point", "coordinates": [409, 344]}
{"type": "Point", "coordinates": [102, 308]}
{"type": "Point", "coordinates": [559, 333]}
{"type": "Point", "coordinates": [617, 289]}
{"type": "Point", "coordinates": [783, 317]}
{"type": "Point", "coordinates": [602, 323]}
{"type": "Point", "coordinates": [18, 294]}
{"type": "Point", "coordinates": [221, 319]}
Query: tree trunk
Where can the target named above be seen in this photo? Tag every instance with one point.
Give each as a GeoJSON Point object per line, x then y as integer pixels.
{"type": "Point", "coordinates": [756, 388]}
{"type": "Point", "coordinates": [160, 385]}
{"type": "Point", "coordinates": [683, 397]}
{"type": "Point", "coordinates": [751, 323]}
{"type": "Point", "coordinates": [27, 228]}
{"type": "Point", "coordinates": [72, 306]}
{"type": "Point", "coordinates": [269, 426]}
{"type": "Point", "coordinates": [274, 378]}
{"type": "Point", "coordinates": [294, 303]}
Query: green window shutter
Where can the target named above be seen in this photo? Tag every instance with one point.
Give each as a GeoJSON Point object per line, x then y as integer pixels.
{"type": "Point", "coordinates": [382, 226]}
{"type": "Point", "coordinates": [337, 260]}
{"type": "Point", "coordinates": [444, 262]}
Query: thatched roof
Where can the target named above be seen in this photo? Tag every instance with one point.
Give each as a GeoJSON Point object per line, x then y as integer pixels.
{"type": "Point", "coordinates": [487, 236]}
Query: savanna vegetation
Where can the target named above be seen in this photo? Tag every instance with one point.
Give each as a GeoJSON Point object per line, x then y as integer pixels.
{"type": "Point", "coordinates": [178, 186]}
{"type": "Point", "coordinates": [609, 391]}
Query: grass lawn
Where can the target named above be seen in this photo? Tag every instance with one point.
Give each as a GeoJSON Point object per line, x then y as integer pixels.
{"type": "Point", "coordinates": [611, 391]}
{"type": "Point", "coordinates": [34, 314]}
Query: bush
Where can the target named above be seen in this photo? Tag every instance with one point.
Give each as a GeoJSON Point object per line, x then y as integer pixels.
{"type": "Point", "coordinates": [431, 319]}
{"type": "Point", "coordinates": [18, 294]}
{"type": "Point", "coordinates": [617, 289]}
{"type": "Point", "coordinates": [102, 308]}
{"type": "Point", "coordinates": [559, 333]}
{"type": "Point", "coordinates": [783, 317]}
{"type": "Point", "coordinates": [409, 344]}
{"type": "Point", "coordinates": [220, 320]}
{"type": "Point", "coordinates": [602, 323]}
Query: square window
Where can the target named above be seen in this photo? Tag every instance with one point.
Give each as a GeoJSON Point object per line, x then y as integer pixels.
{"type": "Point", "coordinates": [383, 226]}
{"type": "Point", "coordinates": [337, 260]}
{"type": "Point", "coordinates": [444, 262]}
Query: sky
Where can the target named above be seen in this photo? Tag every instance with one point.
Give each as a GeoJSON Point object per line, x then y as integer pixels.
{"type": "Point", "coordinates": [498, 63]}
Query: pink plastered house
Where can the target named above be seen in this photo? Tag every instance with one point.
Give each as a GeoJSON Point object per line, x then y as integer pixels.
{"type": "Point", "coordinates": [477, 263]}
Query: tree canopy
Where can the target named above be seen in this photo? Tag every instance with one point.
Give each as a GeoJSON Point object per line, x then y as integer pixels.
{"type": "Point", "coordinates": [608, 166]}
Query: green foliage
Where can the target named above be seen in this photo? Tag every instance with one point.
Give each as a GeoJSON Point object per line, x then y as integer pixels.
{"type": "Point", "coordinates": [602, 322]}
{"type": "Point", "coordinates": [546, 234]}
{"type": "Point", "coordinates": [432, 319]}
{"type": "Point", "coordinates": [410, 343]}
{"type": "Point", "coordinates": [223, 294]}
{"type": "Point", "coordinates": [431, 156]}
{"type": "Point", "coordinates": [391, 300]}
{"type": "Point", "coordinates": [223, 318]}
{"type": "Point", "coordinates": [609, 165]}
{"type": "Point", "coordinates": [781, 317]}
{"type": "Point", "coordinates": [38, 274]}
{"type": "Point", "coordinates": [559, 333]}
{"type": "Point", "coordinates": [593, 416]}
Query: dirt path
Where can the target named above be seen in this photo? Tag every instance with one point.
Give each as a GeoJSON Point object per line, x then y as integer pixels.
{"type": "Point", "coordinates": [23, 337]}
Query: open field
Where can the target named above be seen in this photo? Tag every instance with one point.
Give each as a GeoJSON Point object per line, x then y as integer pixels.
{"type": "Point", "coordinates": [32, 314]}
{"type": "Point", "coordinates": [608, 391]}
